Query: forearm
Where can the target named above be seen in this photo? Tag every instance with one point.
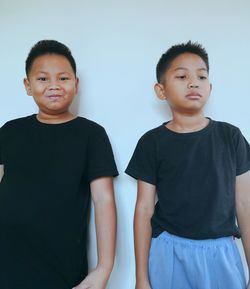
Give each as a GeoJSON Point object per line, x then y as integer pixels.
{"type": "Point", "coordinates": [142, 239]}
{"type": "Point", "coordinates": [1, 172]}
{"type": "Point", "coordinates": [243, 216]}
{"type": "Point", "coordinates": [105, 219]}
{"type": "Point", "coordinates": [243, 211]}
{"type": "Point", "coordinates": [102, 194]}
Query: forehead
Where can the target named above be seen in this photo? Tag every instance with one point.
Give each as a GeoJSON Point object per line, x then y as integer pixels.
{"type": "Point", "coordinates": [51, 62]}
{"type": "Point", "coordinates": [188, 61]}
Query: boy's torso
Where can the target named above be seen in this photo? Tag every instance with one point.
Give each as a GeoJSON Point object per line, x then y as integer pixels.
{"type": "Point", "coordinates": [194, 174]}
{"type": "Point", "coordinates": [44, 201]}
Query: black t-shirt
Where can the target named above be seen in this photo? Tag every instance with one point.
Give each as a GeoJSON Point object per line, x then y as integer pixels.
{"type": "Point", "coordinates": [44, 200]}
{"type": "Point", "coordinates": [194, 174]}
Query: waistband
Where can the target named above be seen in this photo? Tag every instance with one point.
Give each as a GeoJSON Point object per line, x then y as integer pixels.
{"type": "Point", "coordinates": [197, 243]}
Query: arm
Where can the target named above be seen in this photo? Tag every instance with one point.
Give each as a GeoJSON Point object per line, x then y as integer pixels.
{"type": "Point", "coordinates": [105, 219]}
{"type": "Point", "coordinates": [243, 212]}
{"type": "Point", "coordinates": [142, 231]}
{"type": "Point", "coordinates": [1, 172]}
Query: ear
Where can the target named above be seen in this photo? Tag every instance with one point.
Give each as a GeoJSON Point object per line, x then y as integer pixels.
{"type": "Point", "coordinates": [160, 92]}
{"type": "Point", "coordinates": [211, 86]}
{"type": "Point", "coordinates": [77, 84]}
{"type": "Point", "coordinates": [27, 86]}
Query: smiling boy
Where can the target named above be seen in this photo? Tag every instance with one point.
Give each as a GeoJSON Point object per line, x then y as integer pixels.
{"type": "Point", "coordinates": [199, 169]}
{"type": "Point", "coordinates": [53, 85]}
{"type": "Point", "coordinates": [51, 164]}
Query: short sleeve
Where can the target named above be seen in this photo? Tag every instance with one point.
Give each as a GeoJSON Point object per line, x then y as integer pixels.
{"type": "Point", "coordinates": [242, 149]}
{"type": "Point", "coordinates": [143, 164]}
{"type": "Point", "coordinates": [1, 144]}
{"type": "Point", "coordinates": [101, 161]}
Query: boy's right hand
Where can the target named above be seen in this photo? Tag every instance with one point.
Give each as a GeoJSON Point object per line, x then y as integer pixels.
{"type": "Point", "coordinates": [97, 279]}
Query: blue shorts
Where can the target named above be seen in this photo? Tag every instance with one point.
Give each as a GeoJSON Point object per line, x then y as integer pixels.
{"type": "Point", "coordinates": [180, 263]}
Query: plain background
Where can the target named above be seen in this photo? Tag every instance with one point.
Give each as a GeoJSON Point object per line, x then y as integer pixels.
{"type": "Point", "coordinates": [116, 45]}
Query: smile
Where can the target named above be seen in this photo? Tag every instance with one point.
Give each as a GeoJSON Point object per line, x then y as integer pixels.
{"type": "Point", "coordinates": [55, 97]}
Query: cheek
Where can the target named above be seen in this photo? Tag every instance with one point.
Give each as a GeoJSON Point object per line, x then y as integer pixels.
{"type": "Point", "coordinates": [71, 89]}
{"type": "Point", "coordinates": [38, 88]}
{"type": "Point", "coordinates": [176, 90]}
{"type": "Point", "coordinates": [208, 90]}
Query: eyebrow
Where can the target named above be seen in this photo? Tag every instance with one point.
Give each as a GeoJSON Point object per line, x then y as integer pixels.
{"type": "Point", "coordinates": [65, 72]}
{"type": "Point", "coordinates": [184, 68]}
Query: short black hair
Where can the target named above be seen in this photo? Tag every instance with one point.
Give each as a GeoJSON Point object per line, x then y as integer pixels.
{"type": "Point", "coordinates": [43, 47]}
{"type": "Point", "coordinates": [176, 50]}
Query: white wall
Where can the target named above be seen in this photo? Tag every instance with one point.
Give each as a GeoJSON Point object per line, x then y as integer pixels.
{"type": "Point", "coordinates": [116, 45]}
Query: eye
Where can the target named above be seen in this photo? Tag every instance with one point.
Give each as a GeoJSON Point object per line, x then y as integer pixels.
{"type": "Point", "coordinates": [181, 76]}
{"type": "Point", "coordinates": [202, 77]}
{"type": "Point", "coordinates": [42, 78]}
{"type": "Point", "coordinates": [64, 78]}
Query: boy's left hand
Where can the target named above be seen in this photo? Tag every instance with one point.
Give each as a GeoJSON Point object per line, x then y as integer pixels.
{"type": "Point", "coordinates": [96, 279]}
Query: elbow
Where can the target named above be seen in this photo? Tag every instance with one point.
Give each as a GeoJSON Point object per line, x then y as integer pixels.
{"type": "Point", "coordinates": [146, 210]}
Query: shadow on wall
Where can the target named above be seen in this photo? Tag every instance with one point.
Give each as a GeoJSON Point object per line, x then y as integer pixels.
{"type": "Point", "coordinates": [162, 108]}
{"type": "Point", "coordinates": [74, 108]}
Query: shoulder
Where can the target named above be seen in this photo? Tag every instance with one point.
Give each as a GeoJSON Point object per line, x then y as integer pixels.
{"type": "Point", "coordinates": [225, 125]}
{"type": "Point", "coordinates": [152, 134]}
{"type": "Point", "coordinates": [149, 141]}
{"type": "Point", "coordinates": [92, 129]}
{"type": "Point", "coordinates": [227, 128]}
{"type": "Point", "coordinates": [90, 124]}
{"type": "Point", "coordinates": [17, 123]}
{"type": "Point", "coordinates": [228, 133]}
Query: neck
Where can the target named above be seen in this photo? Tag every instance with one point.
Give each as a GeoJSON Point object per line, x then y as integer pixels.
{"type": "Point", "coordinates": [55, 118]}
{"type": "Point", "coordinates": [187, 123]}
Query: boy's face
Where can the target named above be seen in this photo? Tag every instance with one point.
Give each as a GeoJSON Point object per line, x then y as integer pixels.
{"type": "Point", "coordinates": [52, 83]}
{"type": "Point", "coordinates": [185, 84]}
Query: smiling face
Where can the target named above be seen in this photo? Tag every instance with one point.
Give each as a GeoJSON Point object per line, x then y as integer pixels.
{"type": "Point", "coordinates": [185, 84]}
{"type": "Point", "coordinates": [52, 83]}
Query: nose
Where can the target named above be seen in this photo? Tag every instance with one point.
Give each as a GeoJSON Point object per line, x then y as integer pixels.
{"type": "Point", "coordinates": [54, 85]}
{"type": "Point", "coordinates": [193, 85]}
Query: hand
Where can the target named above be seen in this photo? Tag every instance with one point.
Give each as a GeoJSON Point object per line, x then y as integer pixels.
{"type": "Point", "coordinates": [96, 279]}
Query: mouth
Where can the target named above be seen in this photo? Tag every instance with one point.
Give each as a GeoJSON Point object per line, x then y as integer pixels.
{"type": "Point", "coordinates": [54, 97]}
{"type": "Point", "coordinates": [193, 96]}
